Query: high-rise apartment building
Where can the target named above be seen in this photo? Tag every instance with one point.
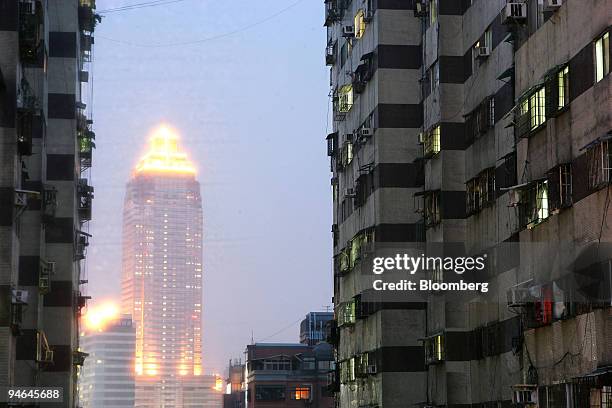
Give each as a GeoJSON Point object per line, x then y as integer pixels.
{"type": "Point", "coordinates": [107, 377]}
{"type": "Point", "coordinates": [488, 124]}
{"type": "Point", "coordinates": [374, 53]}
{"type": "Point", "coordinates": [46, 142]}
{"type": "Point", "coordinates": [162, 271]}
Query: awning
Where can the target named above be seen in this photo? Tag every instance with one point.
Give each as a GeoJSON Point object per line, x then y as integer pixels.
{"type": "Point", "coordinates": [597, 141]}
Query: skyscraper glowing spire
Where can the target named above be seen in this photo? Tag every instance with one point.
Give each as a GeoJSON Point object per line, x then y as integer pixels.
{"type": "Point", "coordinates": [164, 155]}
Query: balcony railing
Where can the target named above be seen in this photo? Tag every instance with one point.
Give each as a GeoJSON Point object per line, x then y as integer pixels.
{"type": "Point", "coordinates": [85, 198]}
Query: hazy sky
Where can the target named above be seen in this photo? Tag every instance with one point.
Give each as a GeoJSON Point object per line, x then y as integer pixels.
{"type": "Point", "coordinates": [251, 109]}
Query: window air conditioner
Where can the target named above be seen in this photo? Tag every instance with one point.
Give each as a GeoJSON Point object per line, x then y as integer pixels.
{"type": "Point", "coordinates": [366, 132]}
{"type": "Point", "coordinates": [19, 296]}
{"type": "Point", "coordinates": [482, 52]}
{"type": "Point", "coordinates": [553, 4]}
{"type": "Point", "coordinates": [348, 31]}
{"type": "Point", "coordinates": [515, 12]}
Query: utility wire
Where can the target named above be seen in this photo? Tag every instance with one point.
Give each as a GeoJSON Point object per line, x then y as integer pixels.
{"type": "Point", "coordinates": [135, 6]}
{"type": "Point", "coordinates": [203, 40]}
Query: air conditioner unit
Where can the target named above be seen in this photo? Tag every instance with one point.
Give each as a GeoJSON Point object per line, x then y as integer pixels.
{"type": "Point", "coordinates": [350, 192]}
{"type": "Point", "coordinates": [553, 4]}
{"type": "Point", "coordinates": [366, 132]}
{"type": "Point", "coordinates": [482, 52]}
{"type": "Point", "coordinates": [515, 12]}
{"type": "Point", "coordinates": [19, 296]}
{"type": "Point", "coordinates": [371, 369]}
{"type": "Point", "coordinates": [524, 394]}
{"type": "Point", "coordinates": [348, 31]}
{"type": "Point", "coordinates": [421, 137]}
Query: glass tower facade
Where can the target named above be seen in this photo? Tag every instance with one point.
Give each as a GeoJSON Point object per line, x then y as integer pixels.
{"type": "Point", "coordinates": [162, 271]}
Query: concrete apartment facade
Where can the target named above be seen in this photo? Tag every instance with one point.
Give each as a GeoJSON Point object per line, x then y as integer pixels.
{"type": "Point", "coordinates": [45, 196]}
{"type": "Point", "coordinates": [513, 161]}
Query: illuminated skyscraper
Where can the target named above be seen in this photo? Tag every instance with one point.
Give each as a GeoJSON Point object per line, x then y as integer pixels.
{"type": "Point", "coordinates": [162, 271]}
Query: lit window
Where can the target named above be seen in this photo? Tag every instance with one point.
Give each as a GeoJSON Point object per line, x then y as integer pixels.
{"type": "Point", "coordinates": [433, 12]}
{"type": "Point", "coordinates": [532, 112]}
{"type": "Point", "coordinates": [434, 349]}
{"type": "Point", "coordinates": [301, 392]}
{"type": "Point", "coordinates": [563, 87]}
{"type": "Point", "coordinates": [534, 204]}
{"type": "Point", "coordinates": [602, 57]}
{"type": "Point", "coordinates": [431, 142]}
{"type": "Point", "coordinates": [537, 105]}
{"type": "Point", "coordinates": [346, 313]}
{"type": "Point", "coordinates": [346, 99]}
{"type": "Point", "coordinates": [360, 24]}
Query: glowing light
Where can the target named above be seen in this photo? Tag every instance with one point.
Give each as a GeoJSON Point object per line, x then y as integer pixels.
{"type": "Point", "coordinates": [164, 155]}
{"type": "Point", "coordinates": [99, 316]}
{"type": "Point", "coordinates": [218, 384]}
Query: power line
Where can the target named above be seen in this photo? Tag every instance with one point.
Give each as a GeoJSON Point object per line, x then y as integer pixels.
{"type": "Point", "coordinates": [203, 40]}
{"type": "Point", "coordinates": [135, 6]}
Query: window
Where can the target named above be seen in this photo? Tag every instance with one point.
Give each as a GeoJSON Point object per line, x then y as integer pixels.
{"type": "Point", "coordinates": [330, 53]}
{"type": "Point", "coordinates": [532, 112]}
{"type": "Point", "coordinates": [560, 186]}
{"type": "Point", "coordinates": [434, 349]}
{"type": "Point", "coordinates": [433, 12]}
{"type": "Point", "coordinates": [431, 142]}
{"type": "Point", "coordinates": [365, 364]}
{"type": "Point", "coordinates": [270, 392]}
{"type": "Point", "coordinates": [346, 313]}
{"type": "Point", "coordinates": [300, 392]}
{"type": "Point", "coordinates": [357, 246]}
{"type": "Point", "coordinates": [602, 57]}
{"type": "Point", "coordinates": [346, 155]}
{"type": "Point", "coordinates": [275, 365]}
{"type": "Point", "coordinates": [534, 204]}
{"type": "Point", "coordinates": [343, 53]}
{"type": "Point", "coordinates": [347, 371]}
{"type": "Point", "coordinates": [480, 191]}
{"type": "Point", "coordinates": [600, 164]}
{"type": "Point", "coordinates": [360, 24]}
{"type": "Point", "coordinates": [537, 103]}
{"type": "Point", "coordinates": [563, 87]}
{"type": "Point", "coordinates": [346, 99]}
{"type": "Point", "coordinates": [431, 208]}
{"type": "Point", "coordinates": [434, 76]}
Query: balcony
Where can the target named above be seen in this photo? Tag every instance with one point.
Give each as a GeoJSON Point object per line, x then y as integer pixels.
{"type": "Point", "coordinates": [44, 354]}
{"type": "Point", "coordinates": [88, 18]}
{"type": "Point", "coordinates": [86, 145]}
{"type": "Point", "coordinates": [81, 244]}
{"type": "Point", "coordinates": [84, 198]}
{"type": "Point", "coordinates": [30, 37]}
{"type": "Point", "coordinates": [332, 12]}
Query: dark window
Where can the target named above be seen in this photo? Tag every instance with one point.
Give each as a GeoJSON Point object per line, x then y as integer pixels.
{"type": "Point", "coordinates": [269, 392]}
